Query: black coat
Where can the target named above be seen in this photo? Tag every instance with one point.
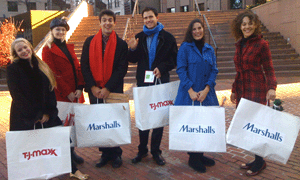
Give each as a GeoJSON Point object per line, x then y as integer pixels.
{"type": "Point", "coordinates": [31, 96]}
{"type": "Point", "coordinates": [165, 58]}
{"type": "Point", "coordinates": [120, 66]}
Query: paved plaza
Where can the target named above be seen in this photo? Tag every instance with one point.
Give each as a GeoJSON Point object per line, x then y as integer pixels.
{"type": "Point", "coordinates": [227, 164]}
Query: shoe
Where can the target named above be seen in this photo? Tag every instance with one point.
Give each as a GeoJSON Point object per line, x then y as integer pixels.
{"type": "Point", "coordinates": [159, 159]}
{"type": "Point", "coordinates": [253, 172]}
{"type": "Point", "coordinates": [76, 158]}
{"type": "Point", "coordinates": [138, 158]}
{"type": "Point", "coordinates": [207, 161]}
{"type": "Point", "coordinates": [79, 175]}
{"type": "Point", "coordinates": [247, 166]}
{"type": "Point", "coordinates": [103, 162]}
{"type": "Point", "coordinates": [117, 162]}
{"type": "Point", "coordinates": [197, 165]}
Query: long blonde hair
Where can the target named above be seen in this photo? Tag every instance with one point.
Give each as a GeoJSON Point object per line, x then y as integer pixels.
{"type": "Point", "coordinates": [42, 65]}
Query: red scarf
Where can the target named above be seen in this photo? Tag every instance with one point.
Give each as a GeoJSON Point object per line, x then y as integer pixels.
{"type": "Point", "coordinates": [101, 68]}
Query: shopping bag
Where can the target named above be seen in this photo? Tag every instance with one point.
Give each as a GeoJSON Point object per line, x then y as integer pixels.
{"type": "Point", "coordinates": [103, 125]}
{"type": "Point", "coordinates": [263, 131]}
{"type": "Point", "coordinates": [197, 129]}
{"type": "Point", "coordinates": [152, 103]}
{"type": "Point", "coordinates": [38, 154]}
{"type": "Point", "coordinates": [66, 114]}
{"type": "Point", "coordinates": [117, 98]}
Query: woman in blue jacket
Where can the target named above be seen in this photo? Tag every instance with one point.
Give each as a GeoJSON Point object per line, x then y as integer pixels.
{"type": "Point", "coordinates": [197, 71]}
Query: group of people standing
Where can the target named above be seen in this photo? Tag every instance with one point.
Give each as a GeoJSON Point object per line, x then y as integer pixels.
{"type": "Point", "coordinates": [36, 85]}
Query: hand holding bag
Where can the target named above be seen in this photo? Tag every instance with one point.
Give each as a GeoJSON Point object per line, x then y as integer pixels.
{"type": "Point", "coordinates": [103, 125]}
{"type": "Point", "coordinates": [263, 131]}
{"type": "Point", "coordinates": [197, 129]}
{"type": "Point", "coordinates": [152, 103]}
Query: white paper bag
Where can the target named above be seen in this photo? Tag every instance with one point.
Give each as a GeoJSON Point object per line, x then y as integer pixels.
{"type": "Point", "coordinates": [197, 129]}
{"type": "Point", "coordinates": [66, 114]}
{"type": "Point", "coordinates": [103, 125]}
{"type": "Point", "coordinates": [38, 154]}
{"type": "Point", "coordinates": [152, 103]}
{"type": "Point", "coordinates": [263, 131]}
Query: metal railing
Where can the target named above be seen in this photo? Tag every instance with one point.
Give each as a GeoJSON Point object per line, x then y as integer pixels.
{"type": "Point", "coordinates": [129, 19]}
{"type": "Point", "coordinates": [208, 27]}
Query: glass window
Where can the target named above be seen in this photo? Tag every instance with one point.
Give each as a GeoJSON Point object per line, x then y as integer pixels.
{"type": "Point", "coordinates": [32, 6]}
{"type": "Point", "coordinates": [117, 3]}
{"type": "Point", "coordinates": [12, 6]}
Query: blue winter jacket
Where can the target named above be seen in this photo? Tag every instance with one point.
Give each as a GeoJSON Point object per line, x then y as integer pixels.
{"type": "Point", "coordinates": [196, 70]}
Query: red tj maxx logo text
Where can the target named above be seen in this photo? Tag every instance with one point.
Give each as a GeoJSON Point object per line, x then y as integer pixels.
{"type": "Point", "coordinates": [43, 152]}
{"type": "Point", "coordinates": [155, 106]}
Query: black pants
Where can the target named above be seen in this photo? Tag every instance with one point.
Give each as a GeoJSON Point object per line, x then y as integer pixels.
{"type": "Point", "coordinates": [155, 141]}
{"type": "Point", "coordinates": [109, 152]}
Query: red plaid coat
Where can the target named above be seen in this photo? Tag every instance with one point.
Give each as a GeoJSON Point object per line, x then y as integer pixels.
{"type": "Point", "coordinates": [255, 72]}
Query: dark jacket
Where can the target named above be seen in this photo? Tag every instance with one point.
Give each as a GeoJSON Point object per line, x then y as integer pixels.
{"type": "Point", "coordinates": [63, 70]}
{"type": "Point", "coordinates": [165, 58]}
{"type": "Point", "coordinates": [31, 96]}
{"type": "Point", "coordinates": [120, 66]}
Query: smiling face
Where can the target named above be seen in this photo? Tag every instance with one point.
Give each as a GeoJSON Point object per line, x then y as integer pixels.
{"type": "Point", "coordinates": [23, 50]}
{"type": "Point", "coordinates": [107, 24]}
{"type": "Point", "coordinates": [247, 27]}
{"type": "Point", "coordinates": [150, 20]}
{"type": "Point", "coordinates": [59, 32]}
{"type": "Point", "coordinates": [197, 31]}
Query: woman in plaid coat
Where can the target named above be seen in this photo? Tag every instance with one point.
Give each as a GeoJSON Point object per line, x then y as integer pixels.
{"type": "Point", "coordinates": [255, 78]}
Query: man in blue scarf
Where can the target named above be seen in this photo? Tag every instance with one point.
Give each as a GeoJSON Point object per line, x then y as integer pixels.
{"type": "Point", "coordinates": [153, 49]}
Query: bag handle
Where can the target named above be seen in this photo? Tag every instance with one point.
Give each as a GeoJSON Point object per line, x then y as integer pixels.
{"type": "Point", "coordinates": [41, 124]}
{"type": "Point", "coordinates": [103, 101]}
{"type": "Point", "coordinates": [193, 103]}
{"type": "Point", "coordinates": [158, 81]}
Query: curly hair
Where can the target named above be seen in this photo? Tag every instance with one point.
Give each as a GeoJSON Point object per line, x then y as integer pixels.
{"type": "Point", "coordinates": [236, 24]}
{"type": "Point", "coordinates": [189, 32]}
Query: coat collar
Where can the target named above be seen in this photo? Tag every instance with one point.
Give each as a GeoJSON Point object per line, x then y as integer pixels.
{"type": "Point", "coordinates": [56, 50]}
{"type": "Point", "coordinates": [193, 45]}
{"type": "Point", "coordinates": [237, 44]}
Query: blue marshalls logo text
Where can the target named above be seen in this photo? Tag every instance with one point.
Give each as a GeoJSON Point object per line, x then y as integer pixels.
{"type": "Point", "coordinates": [263, 132]}
{"type": "Point", "coordinates": [106, 125]}
{"type": "Point", "coordinates": [199, 129]}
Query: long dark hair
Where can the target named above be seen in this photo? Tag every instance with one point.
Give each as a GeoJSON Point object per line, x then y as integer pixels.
{"type": "Point", "coordinates": [189, 32]}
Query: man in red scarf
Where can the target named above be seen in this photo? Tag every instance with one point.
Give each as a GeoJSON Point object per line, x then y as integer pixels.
{"type": "Point", "coordinates": [103, 66]}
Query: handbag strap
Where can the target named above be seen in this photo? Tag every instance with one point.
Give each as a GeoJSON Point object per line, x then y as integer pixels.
{"type": "Point", "coordinates": [103, 101]}
{"type": "Point", "coordinates": [157, 79]}
{"type": "Point", "coordinates": [41, 124]}
{"type": "Point", "coordinates": [193, 103]}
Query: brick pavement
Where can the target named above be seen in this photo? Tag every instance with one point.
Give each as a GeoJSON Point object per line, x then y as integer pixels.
{"type": "Point", "coordinates": [227, 164]}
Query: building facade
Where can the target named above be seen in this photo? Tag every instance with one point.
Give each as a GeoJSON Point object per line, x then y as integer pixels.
{"type": "Point", "coordinates": [164, 6]}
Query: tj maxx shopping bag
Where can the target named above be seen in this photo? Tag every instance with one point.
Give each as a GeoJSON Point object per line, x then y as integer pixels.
{"type": "Point", "coordinates": [38, 154]}
{"type": "Point", "coordinates": [263, 131]}
{"type": "Point", "coordinates": [197, 129]}
{"type": "Point", "coordinates": [103, 125]}
{"type": "Point", "coordinates": [152, 104]}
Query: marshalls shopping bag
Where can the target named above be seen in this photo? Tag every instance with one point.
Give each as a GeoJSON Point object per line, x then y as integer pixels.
{"type": "Point", "coordinates": [152, 103]}
{"type": "Point", "coordinates": [103, 125]}
{"type": "Point", "coordinates": [197, 129]}
{"type": "Point", "coordinates": [66, 114]}
{"type": "Point", "coordinates": [263, 131]}
{"type": "Point", "coordinates": [38, 154]}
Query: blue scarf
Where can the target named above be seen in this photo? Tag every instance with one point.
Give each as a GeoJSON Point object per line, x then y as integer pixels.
{"type": "Point", "coordinates": [153, 45]}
